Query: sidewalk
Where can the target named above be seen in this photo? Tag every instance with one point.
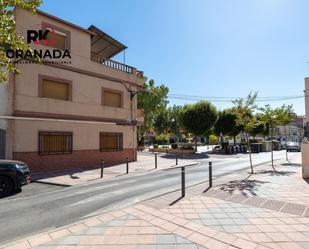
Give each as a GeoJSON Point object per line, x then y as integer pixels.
{"type": "Point", "coordinates": [268, 210]}
{"type": "Point", "coordinates": [145, 163]}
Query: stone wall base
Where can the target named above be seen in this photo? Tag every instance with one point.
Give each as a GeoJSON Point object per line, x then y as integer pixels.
{"type": "Point", "coordinates": [80, 158]}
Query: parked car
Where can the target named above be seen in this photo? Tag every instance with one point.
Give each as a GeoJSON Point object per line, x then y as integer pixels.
{"type": "Point", "coordinates": [290, 146]}
{"type": "Point", "coordinates": [13, 175]}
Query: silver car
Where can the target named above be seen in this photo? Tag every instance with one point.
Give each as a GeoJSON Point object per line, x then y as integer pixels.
{"type": "Point", "coordinates": [293, 146]}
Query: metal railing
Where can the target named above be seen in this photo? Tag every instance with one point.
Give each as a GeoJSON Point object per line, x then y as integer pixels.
{"type": "Point", "coordinates": [117, 65]}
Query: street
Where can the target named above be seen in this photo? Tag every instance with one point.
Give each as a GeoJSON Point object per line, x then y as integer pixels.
{"type": "Point", "coordinates": [23, 215]}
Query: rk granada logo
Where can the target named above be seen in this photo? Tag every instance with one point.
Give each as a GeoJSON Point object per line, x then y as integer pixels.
{"type": "Point", "coordinates": [43, 36]}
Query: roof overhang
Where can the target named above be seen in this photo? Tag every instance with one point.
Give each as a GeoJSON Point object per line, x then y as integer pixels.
{"type": "Point", "coordinates": [103, 45]}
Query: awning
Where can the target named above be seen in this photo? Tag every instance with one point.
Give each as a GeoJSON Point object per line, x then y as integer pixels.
{"type": "Point", "coordinates": [103, 45]}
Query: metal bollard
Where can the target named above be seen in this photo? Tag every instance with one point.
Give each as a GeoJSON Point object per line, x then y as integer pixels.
{"type": "Point", "coordinates": [183, 182]}
{"type": "Point", "coordinates": [210, 174]}
{"type": "Point", "coordinates": [156, 160]}
{"type": "Point", "coordinates": [102, 168]}
{"type": "Point", "coordinates": [176, 159]}
{"type": "Point", "coordinates": [127, 161]}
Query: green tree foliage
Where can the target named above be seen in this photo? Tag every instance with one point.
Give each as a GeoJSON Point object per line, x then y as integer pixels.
{"type": "Point", "coordinates": [153, 100]}
{"type": "Point", "coordinates": [243, 109]}
{"type": "Point", "coordinates": [168, 120]}
{"type": "Point", "coordinates": [198, 118]}
{"type": "Point", "coordinates": [227, 124]}
{"type": "Point", "coordinates": [285, 115]}
{"type": "Point", "coordinates": [8, 36]}
{"type": "Point", "coordinates": [270, 119]}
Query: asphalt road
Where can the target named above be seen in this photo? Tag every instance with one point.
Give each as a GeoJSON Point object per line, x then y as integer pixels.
{"type": "Point", "coordinates": [27, 215]}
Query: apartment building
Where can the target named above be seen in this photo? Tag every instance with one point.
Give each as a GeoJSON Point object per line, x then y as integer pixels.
{"type": "Point", "coordinates": [70, 111]}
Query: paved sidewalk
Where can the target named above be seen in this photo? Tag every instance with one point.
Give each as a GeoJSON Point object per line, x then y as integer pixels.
{"type": "Point", "coordinates": [145, 163]}
{"type": "Point", "coordinates": [254, 216]}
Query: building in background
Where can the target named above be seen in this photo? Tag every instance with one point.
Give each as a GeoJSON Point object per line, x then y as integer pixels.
{"type": "Point", "coordinates": [294, 132]}
{"type": "Point", "coordinates": [70, 113]}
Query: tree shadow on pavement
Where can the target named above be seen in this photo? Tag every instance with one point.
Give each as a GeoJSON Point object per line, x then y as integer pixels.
{"type": "Point", "coordinates": [291, 164]}
{"type": "Point", "coordinates": [190, 156]}
{"type": "Point", "coordinates": [276, 173]}
{"type": "Point", "coordinates": [242, 186]}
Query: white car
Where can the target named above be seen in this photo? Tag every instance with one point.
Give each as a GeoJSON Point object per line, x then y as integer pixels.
{"type": "Point", "coordinates": [290, 146]}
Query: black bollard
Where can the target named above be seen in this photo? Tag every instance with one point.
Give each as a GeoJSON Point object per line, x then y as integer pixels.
{"type": "Point", "coordinates": [210, 174]}
{"type": "Point", "coordinates": [156, 160]}
{"type": "Point", "coordinates": [176, 159]}
{"type": "Point", "coordinates": [127, 162]}
{"type": "Point", "coordinates": [183, 182]}
{"type": "Point", "coordinates": [102, 168]}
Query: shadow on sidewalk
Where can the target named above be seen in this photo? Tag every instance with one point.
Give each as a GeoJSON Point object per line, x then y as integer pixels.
{"type": "Point", "coordinates": [242, 186]}
{"type": "Point", "coordinates": [276, 173]}
{"type": "Point", "coordinates": [191, 156]}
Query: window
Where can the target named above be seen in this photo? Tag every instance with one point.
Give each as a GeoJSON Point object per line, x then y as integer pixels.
{"type": "Point", "coordinates": [54, 88]}
{"type": "Point", "coordinates": [110, 141]}
{"type": "Point", "coordinates": [57, 40]}
{"type": "Point", "coordinates": [57, 37]}
{"type": "Point", "coordinates": [51, 143]}
{"type": "Point", "coordinates": [112, 98]}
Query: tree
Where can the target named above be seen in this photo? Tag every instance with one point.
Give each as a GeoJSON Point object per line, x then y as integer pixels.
{"type": "Point", "coordinates": [259, 127]}
{"type": "Point", "coordinates": [198, 118]}
{"type": "Point", "coordinates": [153, 100]}
{"type": "Point", "coordinates": [227, 124]}
{"type": "Point", "coordinates": [270, 119]}
{"type": "Point", "coordinates": [285, 115]}
{"type": "Point", "coordinates": [243, 109]}
{"type": "Point", "coordinates": [8, 36]}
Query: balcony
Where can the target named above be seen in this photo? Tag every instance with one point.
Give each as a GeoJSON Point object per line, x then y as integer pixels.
{"type": "Point", "coordinates": [117, 65]}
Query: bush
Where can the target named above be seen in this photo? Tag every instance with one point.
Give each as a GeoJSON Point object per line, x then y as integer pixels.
{"type": "Point", "coordinates": [174, 146]}
{"type": "Point", "coordinates": [155, 146]}
{"type": "Point", "coordinates": [213, 139]}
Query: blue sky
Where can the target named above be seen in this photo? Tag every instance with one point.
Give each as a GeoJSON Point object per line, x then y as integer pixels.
{"type": "Point", "coordinates": [206, 47]}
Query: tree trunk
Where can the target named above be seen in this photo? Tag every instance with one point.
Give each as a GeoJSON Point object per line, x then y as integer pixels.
{"type": "Point", "coordinates": [234, 140]}
{"type": "Point", "coordinates": [250, 156]}
{"type": "Point", "coordinates": [286, 147]}
{"type": "Point", "coordinates": [272, 151]}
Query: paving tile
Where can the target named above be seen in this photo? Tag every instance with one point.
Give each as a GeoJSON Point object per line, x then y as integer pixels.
{"type": "Point", "coordinates": [243, 221]}
{"type": "Point", "coordinates": [304, 245]}
{"type": "Point", "coordinates": [211, 222]}
{"type": "Point", "coordinates": [290, 245]}
{"type": "Point", "coordinates": [226, 222]}
{"type": "Point", "coordinates": [215, 244]}
{"type": "Point", "coordinates": [232, 229]}
{"type": "Point", "coordinates": [244, 244]}
{"type": "Point", "coordinates": [20, 245]}
{"type": "Point", "coordinates": [38, 240]}
{"type": "Point", "coordinates": [224, 237]}
{"type": "Point", "coordinates": [238, 198]}
{"type": "Point", "coordinates": [273, 205]}
{"type": "Point", "coordinates": [255, 201]}
{"type": "Point", "coordinates": [166, 239]}
{"type": "Point", "coordinates": [293, 208]}
{"type": "Point", "coordinates": [259, 237]}
{"type": "Point", "coordinates": [187, 246]}
{"type": "Point", "coordinates": [145, 247]}
{"type": "Point", "coordinates": [278, 237]}
{"type": "Point", "coordinates": [181, 240]}
{"type": "Point", "coordinates": [59, 233]}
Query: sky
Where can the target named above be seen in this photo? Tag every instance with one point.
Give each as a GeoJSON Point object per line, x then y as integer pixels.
{"type": "Point", "coordinates": [221, 48]}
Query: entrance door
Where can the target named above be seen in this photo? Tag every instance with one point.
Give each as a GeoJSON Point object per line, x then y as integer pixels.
{"type": "Point", "coordinates": [2, 144]}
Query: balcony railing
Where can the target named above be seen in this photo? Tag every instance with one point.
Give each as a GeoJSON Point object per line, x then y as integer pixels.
{"type": "Point", "coordinates": [117, 65]}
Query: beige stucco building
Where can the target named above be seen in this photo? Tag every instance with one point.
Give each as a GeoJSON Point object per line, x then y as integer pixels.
{"type": "Point", "coordinates": [76, 111]}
